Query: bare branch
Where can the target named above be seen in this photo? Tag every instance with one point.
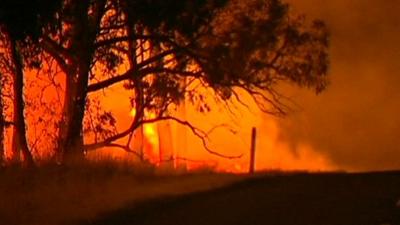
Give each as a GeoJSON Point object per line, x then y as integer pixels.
{"type": "Point", "coordinates": [110, 140]}
{"type": "Point", "coordinates": [113, 80]}
{"type": "Point", "coordinates": [186, 159]}
{"type": "Point", "coordinates": [203, 136]}
{"type": "Point", "coordinates": [223, 125]}
{"type": "Point", "coordinates": [125, 148]}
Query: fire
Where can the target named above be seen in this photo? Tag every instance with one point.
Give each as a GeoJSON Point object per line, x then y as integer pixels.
{"type": "Point", "coordinates": [272, 152]}
{"type": "Point", "coordinates": [150, 140]}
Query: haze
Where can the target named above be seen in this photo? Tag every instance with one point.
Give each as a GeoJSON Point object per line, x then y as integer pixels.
{"type": "Point", "coordinates": [355, 123]}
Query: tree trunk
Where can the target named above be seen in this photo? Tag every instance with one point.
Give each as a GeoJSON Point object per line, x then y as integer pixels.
{"type": "Point", "coordinates": [19, 137]}
{"type": "Point", "coordinates": [2, 123]}
{"type": "Point", "coordinates": [71, 133]}
{"type": "Point", "coordinates": [84, 34]}
{"type": "Point", "coordinates": [15, 156]}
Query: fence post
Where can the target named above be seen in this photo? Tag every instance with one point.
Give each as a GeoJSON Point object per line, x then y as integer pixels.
{"type": "Point", "coordinates": [253, 150]}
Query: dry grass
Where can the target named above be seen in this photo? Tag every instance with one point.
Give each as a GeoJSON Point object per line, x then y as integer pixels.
{"type": "Point", "coordinates": [55, 195]}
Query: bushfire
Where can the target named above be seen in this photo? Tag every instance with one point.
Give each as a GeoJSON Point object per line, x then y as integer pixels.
{"type": "Point", "coordinates": [271, 153]}
{"type": "Point", "coordinates": [148, 138]}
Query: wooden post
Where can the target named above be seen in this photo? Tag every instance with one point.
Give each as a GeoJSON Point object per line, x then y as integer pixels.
{"type": "Point", "coordinates": [253, 150]}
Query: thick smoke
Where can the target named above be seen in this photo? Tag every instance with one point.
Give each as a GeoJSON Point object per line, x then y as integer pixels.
{"type": "Point", "coordinates": [355, 122]}
{"type": "Point", "coordinates": [353, 125]}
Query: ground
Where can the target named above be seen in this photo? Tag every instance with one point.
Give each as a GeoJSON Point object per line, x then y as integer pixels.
{"type": "Point", "coordinates": [289, 199]}
{"type": "Point", "coordinates": [106, 194]}
{"type": "Point", "coordinates": [59, 195]}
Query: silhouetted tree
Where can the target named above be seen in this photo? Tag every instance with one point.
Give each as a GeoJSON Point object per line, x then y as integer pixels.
{"type": "Point", "coordinates": [73, 48]}
{"type": "Point", "coordinates": [16, 70]}
{"type": "Point", "coordinates": [19, 139]}
{"type": "Point", "coordinates": [21, 22]}
{"type": "Point", "coordinates": [251, 46]}
{"type": "Point", "coordinates": [222, 45]}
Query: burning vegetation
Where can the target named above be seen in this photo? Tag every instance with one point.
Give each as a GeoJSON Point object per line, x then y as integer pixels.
{"type": "Point", "coordinates": [116, 75]}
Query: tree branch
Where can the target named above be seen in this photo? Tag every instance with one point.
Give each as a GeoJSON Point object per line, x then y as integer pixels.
{"type": "Point", "coordinates": [123, 147]}
{"type": "Point", "coordinates": [133, 73]}
{"type": "Point", "coordinates": [106, 42]}
{"type": "Point", "coordinates": [113, 80]}
{"type": "Point", "coordinates": [197, 132]}
{"type": "Point", "coordinates": [202, 135]}
{"type": "Point", "coordinates": [59, 53]}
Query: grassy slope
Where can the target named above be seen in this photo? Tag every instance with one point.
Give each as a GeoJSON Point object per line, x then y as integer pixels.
{"type": "Point", "coordinates": [104, 194]}
{"type": "Point", "coordinates": [296, 199]}
{"type": "Point", "coordinates": [53, 195]}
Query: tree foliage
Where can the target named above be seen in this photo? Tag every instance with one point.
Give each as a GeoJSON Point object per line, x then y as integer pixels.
{"type": "Point", "coordinates": [26, 18]}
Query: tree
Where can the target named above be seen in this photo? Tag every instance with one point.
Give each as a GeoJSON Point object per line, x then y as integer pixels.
{"type": "Point", "coordinates": [73, 48]}
{"type": "Point", "coordinates": [15, 68]}
{"type": "Point", "coordinates": [20, 23]}
{"type": "Point", "coordinates": [222, 45]}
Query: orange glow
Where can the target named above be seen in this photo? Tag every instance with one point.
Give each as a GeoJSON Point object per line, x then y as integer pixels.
{"type": "Point", "coordinates": [179, 144]}
{"type": "Point", "coordinates": [150, 145]}
{"type": "Point", "coordinates": [133, 112]}
{"type": "Point", "coordinates": [272, 153]}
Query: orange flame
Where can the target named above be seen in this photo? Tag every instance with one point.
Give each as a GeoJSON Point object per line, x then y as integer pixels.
{"type": "Point", "coordinates": [150, 145]}
{"type": "Point", "coordinates": [160, 143]}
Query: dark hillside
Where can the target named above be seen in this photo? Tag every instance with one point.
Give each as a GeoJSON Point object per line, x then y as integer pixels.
{"type": "Point", "coordinates": [297, 199]}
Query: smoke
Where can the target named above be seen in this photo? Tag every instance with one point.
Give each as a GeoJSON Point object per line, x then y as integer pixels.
{"type": "Point", "coordinates": [353, 125]}
{"type": "Point", "coordinates": [355, 122]}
